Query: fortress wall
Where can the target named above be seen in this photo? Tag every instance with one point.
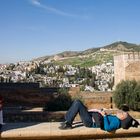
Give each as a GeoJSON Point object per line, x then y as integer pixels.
{"type": "Point", "coordinates": [133, 71]}
{"type": "Point", "coordinates": [119, 68]}
{"type": "Point", "coordinates": [127, 67]}
{"type": "Point", "coordinates": [95, 100]}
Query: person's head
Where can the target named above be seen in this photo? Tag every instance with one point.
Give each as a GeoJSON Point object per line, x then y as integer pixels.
{"type": "Point", "coordinates": [121, 114]}
{"type": "Point", "coordinates": [124, 107]}
{"type": "Point", "coordinates": [126, 120]}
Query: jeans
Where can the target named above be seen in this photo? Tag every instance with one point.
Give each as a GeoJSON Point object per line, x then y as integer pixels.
{"type": "Point", "coordinates": [78, 107]}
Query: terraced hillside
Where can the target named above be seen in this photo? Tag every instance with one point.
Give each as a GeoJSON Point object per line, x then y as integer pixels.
{"type": "Point", "coordinates": [92, 56]}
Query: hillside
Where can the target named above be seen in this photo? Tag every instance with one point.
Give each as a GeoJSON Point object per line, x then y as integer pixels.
{"type": "Point", "coordinates": [123, 46]}
{"type": "Point", "coordinates": [92, 56]}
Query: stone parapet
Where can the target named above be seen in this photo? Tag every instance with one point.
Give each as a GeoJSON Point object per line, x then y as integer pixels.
{"type": "Point", "coordinates": [50, 130]}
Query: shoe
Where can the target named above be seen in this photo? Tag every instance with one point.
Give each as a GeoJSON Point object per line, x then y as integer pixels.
{"type": "Point", "coordinates": [65, 125]}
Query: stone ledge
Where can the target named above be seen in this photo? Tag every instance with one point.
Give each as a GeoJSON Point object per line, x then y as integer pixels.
{"type": "Point", "coordinates": [51, 131]}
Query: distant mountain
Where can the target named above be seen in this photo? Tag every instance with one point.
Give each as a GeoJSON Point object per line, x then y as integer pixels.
{"type": "Point", "coordinates": [118, 46]}
{"type": "Point", "coordinates": [91, 56]}
{"type": "Point", "coordinates": [123, 46]}
{"type": "Point", "coordinates": [58, 56]}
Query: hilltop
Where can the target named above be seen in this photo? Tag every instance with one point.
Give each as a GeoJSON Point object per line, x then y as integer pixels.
{"type": "Point", "coordinates": [92, 56]}
{"type": "Point", "coordinates": [123, 46]}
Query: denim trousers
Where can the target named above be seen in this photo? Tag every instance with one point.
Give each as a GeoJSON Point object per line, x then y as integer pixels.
{"type": "Point", "coordinates": [78, 107]}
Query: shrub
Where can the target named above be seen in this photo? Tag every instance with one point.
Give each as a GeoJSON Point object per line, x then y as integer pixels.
{"type": "Point", "coordinates": [60, 102]}
{"type": "Point", "coordinates": [127, 92]}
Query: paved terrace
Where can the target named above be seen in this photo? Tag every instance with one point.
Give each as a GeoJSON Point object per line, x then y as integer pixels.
{"type": "Point", "coordinates": [50, 130]}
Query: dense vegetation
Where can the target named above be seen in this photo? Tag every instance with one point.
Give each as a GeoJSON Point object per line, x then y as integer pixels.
{"type": "Point", "coordinates": [127, 92]}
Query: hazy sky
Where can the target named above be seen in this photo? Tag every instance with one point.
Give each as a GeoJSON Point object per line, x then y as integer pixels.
{"type": "Point", "coordinates": [34, 28]}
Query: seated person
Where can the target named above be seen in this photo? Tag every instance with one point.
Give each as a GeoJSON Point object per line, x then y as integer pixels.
{"type": "Point", "coordinates": [97, 119]}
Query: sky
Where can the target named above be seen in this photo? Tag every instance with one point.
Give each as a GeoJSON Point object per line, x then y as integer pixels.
{"type": "Point", "coordinates": [34, 28]}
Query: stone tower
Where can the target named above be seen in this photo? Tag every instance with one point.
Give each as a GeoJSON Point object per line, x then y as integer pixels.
{"type": "Point", "coordinates": [127, 67]}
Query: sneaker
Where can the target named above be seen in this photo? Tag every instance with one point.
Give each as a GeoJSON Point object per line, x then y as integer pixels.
{"type": "Point", "coordinates": [65, 125]}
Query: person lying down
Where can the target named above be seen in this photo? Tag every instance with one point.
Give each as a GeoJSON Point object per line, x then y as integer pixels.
{"type": "Point", "coordinates": [97, 118]}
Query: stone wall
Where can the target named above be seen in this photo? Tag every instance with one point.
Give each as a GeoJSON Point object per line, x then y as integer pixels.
{"type": "Point", "coordinates": [98, 100]}
{"type": "Point", "coordinates": [93, 100]}
{"type": "Point", "coordinates": [127, 67]}
{"type": "Point", "coordinates": [133, 71]}
{"type": "Point", "coordinates": [119, 68]}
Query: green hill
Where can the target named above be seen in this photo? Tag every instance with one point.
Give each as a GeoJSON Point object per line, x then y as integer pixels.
{"type": "Point", "coordinates": [92, 56]}
{"type": "Point", "coordinates": [123, 46]}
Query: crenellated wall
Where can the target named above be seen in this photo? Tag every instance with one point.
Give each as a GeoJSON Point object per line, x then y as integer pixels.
{"type": "Point", "coordinates": [127, 67]}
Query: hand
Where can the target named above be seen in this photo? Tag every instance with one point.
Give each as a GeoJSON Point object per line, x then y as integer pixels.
{"type": "Point", "coordinates": [103, 113]}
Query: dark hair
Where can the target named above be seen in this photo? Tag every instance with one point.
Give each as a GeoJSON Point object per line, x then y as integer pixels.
{"type": "Point", "coordinates": [125, 107]}
{"type": "Point", "coordinates": [129, 122]}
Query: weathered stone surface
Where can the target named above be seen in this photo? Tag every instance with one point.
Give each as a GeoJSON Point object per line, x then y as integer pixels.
{"type": "Point", "coordinates": [50, 130]}
{"type": "Point", "coordinates": [127, 67]}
